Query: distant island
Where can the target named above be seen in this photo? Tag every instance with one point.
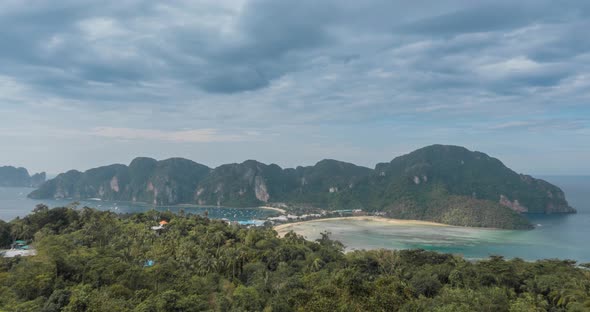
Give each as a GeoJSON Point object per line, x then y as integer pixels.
{"type": "Point", "coordinates": [439, 183]}
{"type": "Point", "coordinates": [19, 177]}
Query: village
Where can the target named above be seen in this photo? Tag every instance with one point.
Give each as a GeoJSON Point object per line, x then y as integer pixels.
{"type": "Point", "coordinates": [286, 217]}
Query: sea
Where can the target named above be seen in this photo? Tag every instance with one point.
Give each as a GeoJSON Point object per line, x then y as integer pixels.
{"type": "Point", "coordinates": [554, 236]}
{"type": "Point", "coordinates": [14, 203]}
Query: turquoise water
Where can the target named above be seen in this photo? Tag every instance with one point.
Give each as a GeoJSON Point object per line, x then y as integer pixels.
{"type": "Point", "coordinates": [557, 236]}
{"type": "Point", "coordinates": [14, 203]}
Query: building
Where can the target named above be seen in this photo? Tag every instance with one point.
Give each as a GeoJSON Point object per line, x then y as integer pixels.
{"type": "Point", "coordinates": [159, 228]}
{"type": "Point", "coordinates": [19, 248]}
{"type": "Point", "coordinates": [358, 212]}
{"type": "Point", "coordinates": [20, 245]}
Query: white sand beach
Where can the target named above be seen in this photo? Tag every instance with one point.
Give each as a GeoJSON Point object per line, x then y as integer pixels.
{"type": "Point", "coordinates": [283, 211]}
{"type": "Point", "coordinates": [14, 253]}
{"type": "Point", "coordinates": [285, 228]}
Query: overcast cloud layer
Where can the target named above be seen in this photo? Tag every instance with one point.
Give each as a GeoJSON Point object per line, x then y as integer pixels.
{"type": "Point", "coordinates": [87, 83]}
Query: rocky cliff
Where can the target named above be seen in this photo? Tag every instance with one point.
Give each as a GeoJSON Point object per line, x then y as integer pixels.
{"type": "Point", "coordinates": [166, 182]}
{"type": "Point", "coordinates": [19, 177]}
{"type": "Point", "coordinates": [475, 175]}
{"type": "Point", "coordinates": [448, 184]}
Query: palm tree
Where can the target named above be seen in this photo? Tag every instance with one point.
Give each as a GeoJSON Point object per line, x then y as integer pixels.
{"type": "Point", "coordinates": [316, 265]}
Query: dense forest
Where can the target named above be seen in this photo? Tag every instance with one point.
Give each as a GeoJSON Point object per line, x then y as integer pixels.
{"type": "Point", "coordinates": [89, 260]}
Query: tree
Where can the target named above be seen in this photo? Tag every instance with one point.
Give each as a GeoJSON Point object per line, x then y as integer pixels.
{"type": "Point", "coordinates": [425, 284]}
{"type": "Point", "coordinates": [5, 235]}
{"type": "Point", "coordinates": [246, 299]}
{"type": "Point", "coordinates": [91, 260]}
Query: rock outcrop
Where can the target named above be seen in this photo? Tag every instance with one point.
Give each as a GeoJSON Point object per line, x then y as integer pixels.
{"type": "Point", "coordinates": [19, 177]}
{"type": "Point", "coordinates": [442, 183]}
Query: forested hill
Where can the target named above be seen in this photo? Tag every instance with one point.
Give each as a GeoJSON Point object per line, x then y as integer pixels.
{"type": "Point", "coordinates": [19, 177]}
{"type": "Point", "coordinates": [95, 261]}
{"type": "Point", "coordinates": [441, 183]}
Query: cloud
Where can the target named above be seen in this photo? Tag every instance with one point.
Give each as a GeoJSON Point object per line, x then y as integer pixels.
{"type": "Point", "coordinates": [483, 18]}
{"type": "Point", "coordinates": [136, 70]}
{"type": "Point", "coordinates": [182, 136]}
{"type": "Point", "coordinates": [543, 124]}
{"type": "Point", "coordinates": [237, 46]}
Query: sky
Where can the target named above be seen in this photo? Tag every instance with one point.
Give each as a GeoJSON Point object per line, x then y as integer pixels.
{"type": "Point", "coordinates": [90, 83]}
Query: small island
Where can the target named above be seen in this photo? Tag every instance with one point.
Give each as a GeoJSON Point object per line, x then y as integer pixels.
{"type": "Point", "coordinates": [19, 177]}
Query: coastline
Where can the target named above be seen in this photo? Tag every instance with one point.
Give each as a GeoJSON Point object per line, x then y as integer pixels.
{"type": "Point", "coordinates": [151, 205]}
{"type": "Point", "coordinates": [282, 229]}
{"type": "Point", "coordinates": [283, 211]}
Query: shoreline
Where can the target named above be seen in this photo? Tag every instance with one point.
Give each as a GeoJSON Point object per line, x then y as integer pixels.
{"type": "Point", "coordinates": [283, 211]}
{"type": "Point", "coordinates": [151, 205]}
{"type": "Point", "coordinates": [282, 229]}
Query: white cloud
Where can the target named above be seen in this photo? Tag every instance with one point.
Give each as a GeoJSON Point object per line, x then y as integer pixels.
{"type": "Point", "coordinates": [101, 28]}
{"type": "Point", "coordinates": [182, 136]}
{"type": "Point", "coordinates": [513, 124]}
{"type": "Point", "coordinates": [239, 70]}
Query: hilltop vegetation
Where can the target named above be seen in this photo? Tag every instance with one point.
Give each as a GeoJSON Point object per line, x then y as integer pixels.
{"type": "Point", "coordinates": [170, 181]}
{"type": "Point", "coordinates": [92, 260]}
{"type": "Point", "coordinates": [448, 184]}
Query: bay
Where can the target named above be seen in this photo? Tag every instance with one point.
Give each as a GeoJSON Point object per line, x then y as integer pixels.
{"type": "Point", "coordinates": [555, 236]}
{"type": "Point", "coordinates": [14, 203]}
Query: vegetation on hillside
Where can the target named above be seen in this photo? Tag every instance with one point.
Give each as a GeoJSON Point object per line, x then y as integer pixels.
{"type": "Point", "coordinates": [92, 260]}
{"type": "Point", "coordinates": [448, 184]}
{"type": "Point", "coordinates": [475, 175]}
{"type": "Point", "coordinates": [171, 181]}
{"type": "Point", "coordinates": [19, 177]}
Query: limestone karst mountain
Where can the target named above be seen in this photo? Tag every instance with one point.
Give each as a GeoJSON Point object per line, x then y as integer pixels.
{"type": "Point", "coordinates": [442, 183]}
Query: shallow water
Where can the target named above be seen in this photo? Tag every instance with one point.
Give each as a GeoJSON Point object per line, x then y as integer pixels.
{"type": "Point", "coordinates": [14, 203]}
{"type": "Point", "coordinates": [556, 236]}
